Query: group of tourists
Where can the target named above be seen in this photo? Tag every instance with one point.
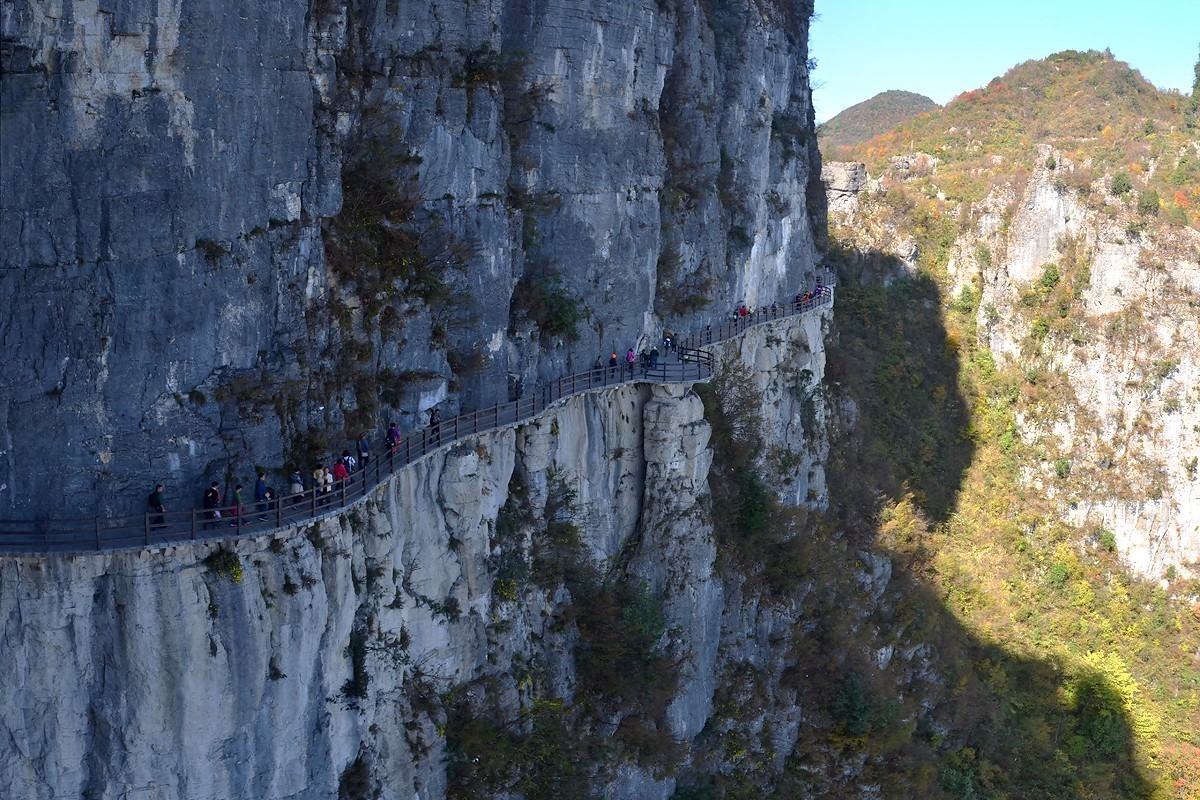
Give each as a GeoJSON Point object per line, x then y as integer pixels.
{"type": "Point", "coordinates": [214, 505]}
{"type": "Point", "coordinates": [327, 479]}
{"type": "Point", "coordinates": [741, 311]}
{"type": "Point", "coordinates": [647, 360]}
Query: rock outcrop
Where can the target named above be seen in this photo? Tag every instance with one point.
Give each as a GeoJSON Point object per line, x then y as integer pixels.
{"type": "Point", "coordinates": [1127, 429]}
{"type": "Point", "coordinates": [844, 182]}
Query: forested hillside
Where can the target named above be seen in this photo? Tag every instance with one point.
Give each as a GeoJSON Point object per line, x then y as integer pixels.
{"type": "Point", "coordinates": [870, 118]}
{"type": "Point", "coordinates": [1019, 305]}
{"type": "Point", "coordinates": [1094, 111]}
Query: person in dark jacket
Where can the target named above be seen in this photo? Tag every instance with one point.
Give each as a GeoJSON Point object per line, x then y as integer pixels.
{"type": "Point", "coordinates": [435, 424]}
{"type": "Point", "coordinates": [260, 494]}
{"type": "Point", "coordinates": [212, 502]}
{"type": "Point", "coordinates": [364, 450]}
{"type": "Point", "coordinates": [158, 505]}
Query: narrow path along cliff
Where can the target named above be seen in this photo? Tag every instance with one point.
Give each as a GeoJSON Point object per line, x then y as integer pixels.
{"type": "Point", "coordinates": [152, 529]}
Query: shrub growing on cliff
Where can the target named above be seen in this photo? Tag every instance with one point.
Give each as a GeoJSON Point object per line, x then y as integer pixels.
{"type": "Point", "coordinates": [1121, 184]}
{"type": "Point", "coordinates": [1148, 203]}
{"type": "Point", "coordinates": [355, 686]}
{"type": "Point", "coordinates": [225, 564]}
{"type": "Point", "coordinates": [536, 755]}
{"type": "Point", "coordinates": [355, 781]}
{"type": "Point", "coordinates": [753, 533]}
{"type": "Point", "coordinates": [557, 549]}
{"type": "Point", "coordinates": [542, 297]}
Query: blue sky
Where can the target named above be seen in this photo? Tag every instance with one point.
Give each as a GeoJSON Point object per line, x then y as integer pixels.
{"type": "Point", "coordinates": [940, 49]}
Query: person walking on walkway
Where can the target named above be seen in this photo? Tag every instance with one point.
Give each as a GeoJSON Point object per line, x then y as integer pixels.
{"type": "Point", "coordinates": [260, 495]}
{"type": "Point", "coordinates": [158, 505]}
{"type": "Point", "coordinates": [236, 510]}
{"type": "Point", "coordinates": [364, 450]}
{"type": "Point", "coordinates": [613, 365]}
{"type": "Point", "coordinates": [654, 358]}
{"type": "Point", "coordinates": [392, 437]}
{"type": "Point", "coordinates": [212, 503]}
{"type": "Point", "coordinates": [318, 482]}
{"type": "Point", "coordinates": [340, 473]}
{"type": "Point", "coordinates": [435, 425]}
{"type": "Point", "coordinates": [297, 486]}
{"type": "Point", "coordinates": [630, 359]}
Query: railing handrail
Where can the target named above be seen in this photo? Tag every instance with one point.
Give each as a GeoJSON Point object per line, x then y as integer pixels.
{"type": "Point", "coordinates": [151, 528]}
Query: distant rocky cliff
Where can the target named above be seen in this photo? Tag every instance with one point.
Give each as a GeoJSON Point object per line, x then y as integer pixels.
{"type": "Point", "coordinates": [238, 233]}
{"type": "Point", "coordinates": [1112, 303]}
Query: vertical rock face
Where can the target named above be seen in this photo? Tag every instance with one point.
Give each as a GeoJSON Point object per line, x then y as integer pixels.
{"type": "Point", "coordinates": [1128, 425]}
{"type": "Point", "coordinates": [161, 180]}
{"type": "Point", "coordinates": [174, 176]}
{"type": "Point", "coordinates": [243, 232]}
{"type": "Point", "coordinates": [268, 668]}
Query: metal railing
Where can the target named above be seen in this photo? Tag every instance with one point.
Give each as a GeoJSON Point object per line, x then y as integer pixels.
{"type": "Point", "coordinates": [153, 529]}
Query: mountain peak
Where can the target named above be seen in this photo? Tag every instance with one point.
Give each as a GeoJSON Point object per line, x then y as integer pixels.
{"type": "Point", "coordinates": [868, 119]}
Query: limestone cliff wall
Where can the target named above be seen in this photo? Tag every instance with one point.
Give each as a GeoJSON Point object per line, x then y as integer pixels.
{"type": "Point", "coordinates": [1128, 425]}
{"type": "Point", "coordinates": [174, 176]}
{"type": "Point", "coordinates": [267, 667]}
{"type": "Point", "coordinates": [1124, 423]}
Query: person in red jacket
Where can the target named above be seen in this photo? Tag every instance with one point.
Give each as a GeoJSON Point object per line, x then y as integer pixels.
{"type": "Point", "coordinates": [340, 473]}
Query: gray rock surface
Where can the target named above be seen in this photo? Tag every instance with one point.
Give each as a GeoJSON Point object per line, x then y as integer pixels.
{"type": "Point", "coordinates": [844, 182]}
{"type": "Point", "coordinates": [172, 177]}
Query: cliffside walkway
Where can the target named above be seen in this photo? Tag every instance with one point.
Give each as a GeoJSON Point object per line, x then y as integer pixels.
{"type": "Point", "coordinates": [146, 530]}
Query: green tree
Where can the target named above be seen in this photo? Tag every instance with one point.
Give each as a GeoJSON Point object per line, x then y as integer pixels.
{"type": "Point", "coordinates": [1148, 203]}
{"type": "Point", "coordinates": [1196, 88]}
{"type": "Point", "coordinates": [1121, 183]}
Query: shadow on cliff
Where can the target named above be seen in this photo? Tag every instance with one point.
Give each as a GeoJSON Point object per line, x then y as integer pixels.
{"type": "Point", "coordinates": [976, 718]}
{"type": "Point", "coordinates": [894, 358]}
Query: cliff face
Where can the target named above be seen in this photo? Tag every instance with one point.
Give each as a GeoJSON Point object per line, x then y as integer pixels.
{"type": "Point", "coordinates": [1108, 303]}
{"type": "Point", "coordinates": [292, 665]}
{"type": "Point", "coordinates": [1126, 424]}
{"type": "Point", "coordinates": [242, 233]}
{"type": "Point", "coordinates": [162, 193]}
